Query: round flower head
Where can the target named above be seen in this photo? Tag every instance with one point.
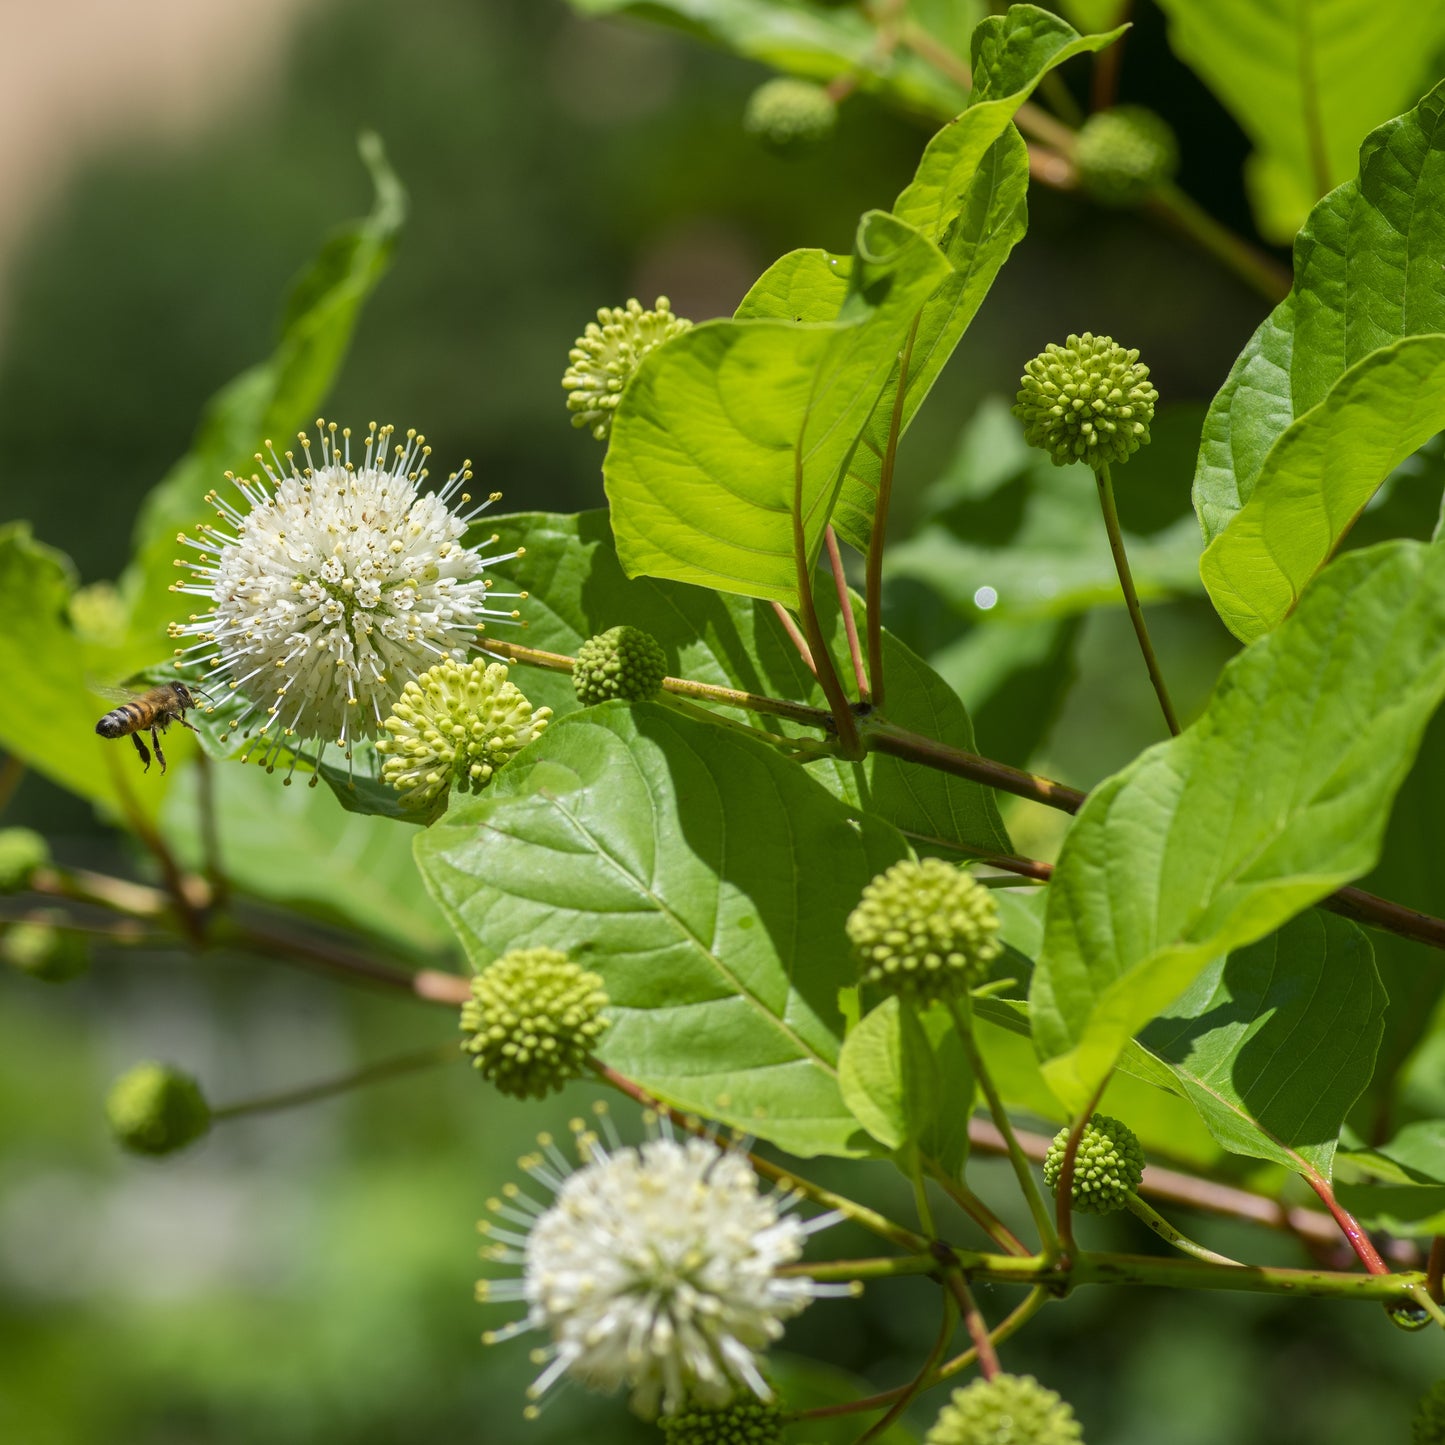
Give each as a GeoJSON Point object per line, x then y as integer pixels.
{"type": "Point", "coordinates": [154, 1109]}
{"type": "Point", "coordinates": [22, 851]}
{"type": "Point", "coordinates": [622, 662]}
{"type": "Point", "coordinates": [1107, 1168]}
{"type": "Point", "coordinates": [1428, 1426]}
{"type": "Point", "coordinates": [332, 583]}
{"type": "Point", "coordinates": [744, 1422]}
{"type": "Point", "coordinates": [925, 930]}
{"type": "Point", "coordinates": [654, 1268]}
{"type": "Point", "coordinates": [456, 724]}
{"type": "Point", "coordinates": [533, 1019]}
{"type": "Point", "coordinates": [1124, 154]}
{"type": "Point", "coordinates": [1007, 1410]}
{"type": "Point", "coordinates": [790, 115]}
{"type": "Point", "coordinates": [604, 358]}
{"type": "Point", "coordinates": [43, 949]}
{"type": "Point", "coordinates": [1088, 401]}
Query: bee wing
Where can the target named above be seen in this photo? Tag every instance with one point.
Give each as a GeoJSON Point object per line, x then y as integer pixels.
{"type": "Point", "coordinates": [116, 694]}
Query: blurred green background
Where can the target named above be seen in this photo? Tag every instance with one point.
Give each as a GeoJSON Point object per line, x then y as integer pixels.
{"type": "Point", "coordinates": [307, 1277]}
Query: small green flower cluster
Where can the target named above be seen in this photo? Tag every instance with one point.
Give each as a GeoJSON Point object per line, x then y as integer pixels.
{"type": "Point", "coordinates": [1125, 154]}
{"type": "Point", "coordinates": [155, 1109]}
{"type": "Point", "coordinates": [743, 1422]}
{"type": "Point", "coordinates": [789, 115]}
{"type": "Point", "coordinates": [607, 354]}
{"type": "Point", "coordinates": [623, 662]}
{"type": "Point", "coordinates": [1007, 1410]}
{"type": "Point", "coordinates": [1107, 1168]}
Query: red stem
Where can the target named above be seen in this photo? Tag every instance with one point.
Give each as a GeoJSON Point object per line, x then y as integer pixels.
{"type": "Point", "coordinates": [1360, 1242]}
{"type": "Point", "coordinates": [850, 623]}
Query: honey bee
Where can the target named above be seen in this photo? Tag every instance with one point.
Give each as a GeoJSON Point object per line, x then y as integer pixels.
{"type": "Point", "coordinates": [152, 711]}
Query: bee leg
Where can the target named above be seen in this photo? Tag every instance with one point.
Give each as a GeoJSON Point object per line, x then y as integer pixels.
{"type": "Point", "coordinates": [140, 747]}
{"type": "Point", "coordinates": [191, 726]}
{"type": "Point", "coordinates": [156, 744]}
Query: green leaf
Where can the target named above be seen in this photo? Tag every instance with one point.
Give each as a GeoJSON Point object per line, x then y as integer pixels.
{"type": "Point", "coordinates": [271, 399]}
{"type": "Point", "coordinates": [705, 878]}
{"type": "Point", "coordinates": [1317, 478]}
{"type": "Point", "coordinates": [577, 589]}
{"type": "Point", "coordinates": [1365, 269]}
{"type": "Point", "coordinates": [1307, 79]}
{"type": "Point", "coordinates": [815, 41]}
{"type": "Point", "coordinates": [295, 846]}
{"type": "Point", "coordinates": [905, 1076]}
{"type": "Point", "coordinates": [736, 433]}
{"type": "Point", "coordinates": [1274, 798]}
{"type": "Point", "coordinates": [1274, 1044]}
{"type": "Point", "coordinates": [1399, 1187]}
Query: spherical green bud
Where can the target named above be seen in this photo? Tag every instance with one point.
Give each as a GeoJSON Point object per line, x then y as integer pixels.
{"type": "Point", "coordinates": [1107, 1168]}
{"type": "Point", "coordinates": [925, 930]}
{"type": "Point", "coordinates": [533, 1019]}
{"type": "Point", "coordinates": [743, 1422]}
{"type": "Point", "coordinates": [1007, 1410]}
{"type": "Point", "coordinates": [1428, 1426]}
{"type": "Point", "coordinates": [790, 115]}
{"type": "Point", "coordinates": [1124, 154]}
{"type": "Point", "coordinates": [1088, 401]}
{"type": "Point", "coordinates": [21, 853]}
{"type": "Point", "coordinates": [42, 948]}
{"type": "Point", "coordinates": [455, 725]}
{"type": "Point", "coordinates": [154, 1109]}
{"type": "Point", "coordinates": [604, 358]}
{"type": "Point", "coordinates": [623, 662]}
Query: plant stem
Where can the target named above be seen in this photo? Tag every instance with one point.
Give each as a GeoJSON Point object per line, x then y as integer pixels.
{"type": "Point", "coordinates": [1180, 212]}
{"type": "Point", "coordinates": [1131, 597]}
{"type": "Point", "coordinates": [963, 1024]}
{"type": "Point", "coordinates": [845, 607]}
{"type": "Point", "coordinates": [919, 1383]}
{"type": "Point", "coordinates": [371, 1074]}
{"type": "Point", "coordinates": [12, 770]}
{"type": "Point", "coordinates": [878, 533]}
{"type": "Point", "coordinates": [1170, 1235]}
{"type": "Point", "coordinates": [1104, 87]}
{"type": "Point", "coordinates": [976, 1325]}
{"type": "Point", "coordinates": [1064, 1185]}
{"type": "Point", "coordinates": [1435, 1270]}
{"type": "Point", "coordinates": [785, 619]}
{"type": "Point", "coordinates": [979, 1212]}
{"type": "Point", "coordinates": [1359, 1241]}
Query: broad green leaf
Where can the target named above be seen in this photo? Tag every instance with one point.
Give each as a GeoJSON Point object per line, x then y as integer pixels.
{"type": "Point", "coordinates": [1367, 268]}
{"type": "Point", "coordinates": [905, 1077]}
{"type": "Point", "coordinates": [1307, 79]}
{"type": "Point", "coordinates": [1275, 797]}
{"type": "Point", "coordinates": [706, 878]}
{"type": "Point", "coordinates": [1399, 1187]}
{"type": "Point", "coordinates": [1318, 477]}
{"type": "Point", "coordinates": [271, 399]}
{"type": "Point", "coordinates": [1274, 1044]}
{"type": "Point", "coordinates": [577, 589]}
{"type": "Point", "coordinates": [815, 41]}
{"type": "Point", "coordinates": [731, 442]}
{"type": "Point", "coordinates": [297, 847]}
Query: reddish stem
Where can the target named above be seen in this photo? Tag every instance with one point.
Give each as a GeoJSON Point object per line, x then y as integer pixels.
{"type": "Point", "coordinates": [796, 635]}
{"type": "Point", "coordinates": [1360, 1242]}
{"type": "Point", "coordinates": [850, 623]}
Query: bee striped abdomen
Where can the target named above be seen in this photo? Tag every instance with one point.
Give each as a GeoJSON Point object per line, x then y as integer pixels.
{"type": "Point", "coordinates": [124, 719]}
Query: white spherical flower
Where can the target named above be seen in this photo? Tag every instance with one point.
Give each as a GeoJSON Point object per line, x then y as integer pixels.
{"type": "Point", "coordinates": [655, 1268]}
{"type": "Point", "coordinates": [332, 584]}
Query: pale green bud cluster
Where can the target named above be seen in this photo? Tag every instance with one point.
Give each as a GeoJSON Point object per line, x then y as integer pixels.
{"type": "Point", "coordinates": [790, 115]}
{"type": "Point", "coordinates": [623, 662]}
{"type": "Point", "coordinates": [1107, 1167]}
{"type": "Point", "coordinates": [155, 1109]}
{"type": "Point", "coordinates": [42, 948]}
{"type": "Point", "coordinates": [22, 851]}
{"type": "Point", "coordinates": [1087, 401]}
{"type": "Point", "coordinates": [533, 1020]}
{"type": "Point", "coordinates": [604, 358]}
{"type": "Point", "coordinates": [743, 1422]}
{"type": "Point", "coordinates": [1428, 1426]}
{"type": "Point", "coordinates": [1007, 1410]}
{"type": "Point", "coordinates": [1124, 154]}
{"type": "Point", "coordinates": [925, 930]}
{"type": "Point", "coordinates": [455, 725]}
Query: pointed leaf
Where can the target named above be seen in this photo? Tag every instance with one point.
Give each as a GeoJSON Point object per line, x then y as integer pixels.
{"type": "Point", "coordinates": [1275, 797]}
{"type": "Point", "coordinates": [706, 878]}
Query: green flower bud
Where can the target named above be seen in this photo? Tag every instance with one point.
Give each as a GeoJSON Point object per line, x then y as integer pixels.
{"type": "Point", "coordinates": [790, 115]}
{"type": "Point", "coordinates": [1107, 1168]}
{"type": "Point", "coordinates": [925, 930]}
{"type": "Point", "coordinates": [604, 358]}
{"type": "Point", "coordinates": [533, 1019]}
{"type": "Point", "coordinates": [154, 1109]}
{"type": "Point", "coordinates": [1007, 1410]}
{"type": "Point", "coordinates": [1428, 1426]}
{"type": "Point", "coordinates": [455, 725]}
{"type": "Point", "coordinates": [1088, 401]}
{"type": "Point", "coordinates": [743, 1422]}
{"type": "Point", "coordinates": [21, 853]}
{"type": "Point", "coordinates": [44, 950]}
{"type": "Point", "coordinates": [623, 662]}
{"type": "Point", "coordinates": [1124, 154]}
